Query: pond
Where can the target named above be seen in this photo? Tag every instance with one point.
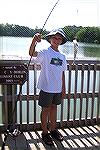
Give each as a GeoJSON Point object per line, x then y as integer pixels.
{"type": "Point", "coordinates": [17, 48]}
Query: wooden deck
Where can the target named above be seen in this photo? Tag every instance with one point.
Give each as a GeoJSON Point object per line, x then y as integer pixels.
{"type": "Point", "coordinates": [80, 138]}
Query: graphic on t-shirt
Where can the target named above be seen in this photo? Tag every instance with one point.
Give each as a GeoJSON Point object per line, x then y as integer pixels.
{"type": "Point", "coordinates": [56, 61]}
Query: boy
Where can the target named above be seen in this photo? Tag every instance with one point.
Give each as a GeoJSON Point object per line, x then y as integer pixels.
{"type": "Point", "coordinates": [51, 81]}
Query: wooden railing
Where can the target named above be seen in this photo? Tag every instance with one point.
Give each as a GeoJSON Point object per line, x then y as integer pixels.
{"type": "Point", "coordinates": [80, 107]}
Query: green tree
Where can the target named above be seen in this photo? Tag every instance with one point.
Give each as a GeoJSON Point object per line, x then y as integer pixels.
{"type": "Point", "coordinates": [84, 34]}
{"type": "Point", "coordinates": [89, 35]}
{"type": "Point", "coordinates": [71, 31]}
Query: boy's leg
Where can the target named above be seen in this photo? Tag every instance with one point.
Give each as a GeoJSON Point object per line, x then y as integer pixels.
{"type": "Point", "coordinates": [52, 116]}
{"type": "Point", "coordinates": [44, 118]}
{"type": "Point", "coordinates": [54, 133]}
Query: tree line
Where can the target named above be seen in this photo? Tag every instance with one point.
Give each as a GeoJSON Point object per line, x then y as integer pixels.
{"type": "Point", "coordinates": [83, 34]}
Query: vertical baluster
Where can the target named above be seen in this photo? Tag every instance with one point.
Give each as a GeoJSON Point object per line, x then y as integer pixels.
{"type": "Point", "coordinates": [87, 94]}
{"type": "Point", "coordinates": [5, 103]}
{"type": "Point", "coordinates": [28, 96]}
{"type": "Point", "coordinates": [81, 95]}
{"type": "Point", "coordinates": [61, 117]}
{"type": "Point", "coordinates": [93, 91]}
{"type": "Point", "coordinates": [98, 101]}
{"type": "Point", "coordinates": [35, 76]}
{"type": "Point", "coordinates": [20, 104]}
{"type": "Point", "coordinates": [75, 92]}
{"type": "Point", "coordinates": [13, 103]}
{"type": "Point", "coordinates": [69, 92]}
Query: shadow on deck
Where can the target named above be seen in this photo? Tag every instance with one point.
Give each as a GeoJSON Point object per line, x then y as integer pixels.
{"type": "Point", "coordinates": [80, 138]}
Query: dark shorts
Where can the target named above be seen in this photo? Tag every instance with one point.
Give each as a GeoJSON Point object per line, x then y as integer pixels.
{"type": "Point", "coordinates": [46, 99]}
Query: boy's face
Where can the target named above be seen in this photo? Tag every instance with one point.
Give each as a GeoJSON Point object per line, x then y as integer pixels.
{"type": "Point", "coordinates": [56, 39]}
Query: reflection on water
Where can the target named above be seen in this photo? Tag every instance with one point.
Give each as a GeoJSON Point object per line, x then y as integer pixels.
{"type": "Point", "coordinates": [19, 47]}
{"type": "Point", "coordinates": [92, 52]}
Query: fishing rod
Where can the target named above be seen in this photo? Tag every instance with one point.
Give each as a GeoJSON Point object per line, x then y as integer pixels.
{"type": "Point", "coordinates": [20, 90]}
{"type": "Point", "coordinates": [49, 16]}
{"type": "Point", "coordinates": [43, 28]}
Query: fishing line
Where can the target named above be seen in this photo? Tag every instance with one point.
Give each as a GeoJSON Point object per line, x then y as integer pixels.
{"type": "Point", "coordinates": [9, 126]}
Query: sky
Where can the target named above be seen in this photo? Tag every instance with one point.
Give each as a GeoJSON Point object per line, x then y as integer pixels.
{"type": "Point", "coordinates": [33, 13]}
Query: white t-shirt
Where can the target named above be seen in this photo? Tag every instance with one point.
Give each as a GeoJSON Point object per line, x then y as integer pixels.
{"type": "Point", "coordinates": [52, 66]}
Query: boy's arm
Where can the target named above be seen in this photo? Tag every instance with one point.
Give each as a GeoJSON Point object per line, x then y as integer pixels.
{"type": "Point", "coordinates": [36, 38]}
{"type": "Point", "coordinates": [63, 86]}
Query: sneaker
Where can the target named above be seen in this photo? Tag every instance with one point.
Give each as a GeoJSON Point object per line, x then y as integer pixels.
{"type": "Point", "coordinates": [57, 135]}
{"type": "Point", "coordinates": [47, 139]}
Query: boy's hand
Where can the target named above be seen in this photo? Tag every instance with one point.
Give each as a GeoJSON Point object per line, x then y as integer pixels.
{"type": "Point", "coordinates": [37, 37]}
